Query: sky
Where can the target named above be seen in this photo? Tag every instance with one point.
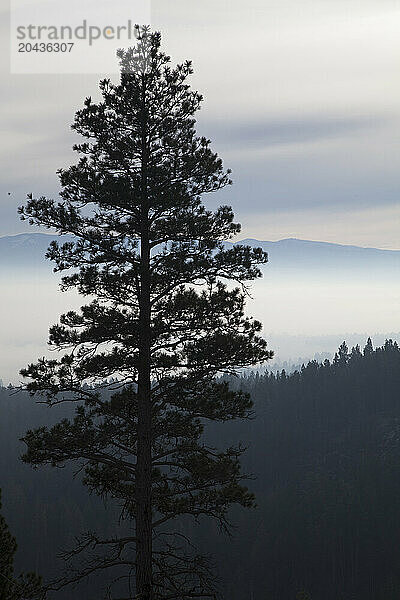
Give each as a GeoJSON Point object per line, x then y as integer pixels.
{"type": "Point", "coordinates": [302, 101]}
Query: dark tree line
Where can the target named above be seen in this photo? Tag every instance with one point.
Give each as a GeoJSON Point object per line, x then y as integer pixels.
{"type": "Point", "coordinates": [325, 449]}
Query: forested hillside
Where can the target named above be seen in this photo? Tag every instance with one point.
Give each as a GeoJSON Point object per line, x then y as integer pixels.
{"type": "Point", "coordinates": [324, 448]}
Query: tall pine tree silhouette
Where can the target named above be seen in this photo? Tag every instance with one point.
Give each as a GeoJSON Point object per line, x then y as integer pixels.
{"type": "Point", "coordinates": [165, 317]}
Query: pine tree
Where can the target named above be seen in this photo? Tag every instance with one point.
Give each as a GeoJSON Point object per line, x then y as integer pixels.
{"type": "Point", "coordinates": [166, 317]}
{"type": "Point", "coordinates": [343, 353]}
{"type": "Point", "coordinates": [8, 548]}
{"type": "Point", "coordinates": [25, 586]}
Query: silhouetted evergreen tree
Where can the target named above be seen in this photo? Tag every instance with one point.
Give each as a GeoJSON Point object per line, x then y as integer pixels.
{"type": "Point", "coordinates": [8, 547]}
{"type": "Point", "coordinates": [163, 321]}
{"type": "Point", "coordinates": [368, 347]}
{"type": "Point", "coordinates": [25, 587]}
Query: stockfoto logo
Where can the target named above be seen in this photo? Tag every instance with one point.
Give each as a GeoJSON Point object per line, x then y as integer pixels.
{"type": "Point", "coordinates": [50, 36]}
{"type": "Point", "coordinates": [85, 31]}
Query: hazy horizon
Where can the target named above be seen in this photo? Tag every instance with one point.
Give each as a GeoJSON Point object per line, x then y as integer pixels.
{"type": "Point", "coordinates": [310, 299]}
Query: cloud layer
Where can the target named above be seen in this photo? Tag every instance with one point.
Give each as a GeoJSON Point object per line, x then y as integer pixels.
{"type": "Point", "coordinates": [302, 100]}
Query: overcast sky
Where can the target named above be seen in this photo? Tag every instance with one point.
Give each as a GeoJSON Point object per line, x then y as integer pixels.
{"type": "Point", "coordinates": [302, 101]}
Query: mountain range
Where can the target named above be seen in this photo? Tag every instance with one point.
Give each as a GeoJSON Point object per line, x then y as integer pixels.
{"type": "Point", "coordinates": [288, 255]}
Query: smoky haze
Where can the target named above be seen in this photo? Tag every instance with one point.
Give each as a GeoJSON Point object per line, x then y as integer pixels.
{"type": "Point", "coordinates": [312, 296]}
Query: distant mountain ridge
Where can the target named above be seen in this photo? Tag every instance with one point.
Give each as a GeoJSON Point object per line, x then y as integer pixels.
{"type": "Point", "coordinates": [29, 249]}
{"type": "Point", "coordinates": [300, 242]}
{"type": "Point", "coordinates": [24, 249]}
{"type": "Point", "coordinates": [298, 255]}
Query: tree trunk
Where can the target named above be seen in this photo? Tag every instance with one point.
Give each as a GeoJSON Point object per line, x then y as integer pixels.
{"type": "Point", "coordinates": [144, 425]}
{"type": "Point", "coordinates": [144, 447]}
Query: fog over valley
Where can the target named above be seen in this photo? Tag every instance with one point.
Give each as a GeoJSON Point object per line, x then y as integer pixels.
{"type": "Point", "coordinates": [312, 296]}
